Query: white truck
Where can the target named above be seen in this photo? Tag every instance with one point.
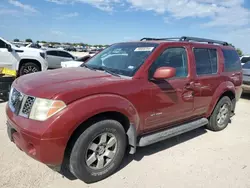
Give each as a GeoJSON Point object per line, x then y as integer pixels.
{"type": "Point", "coordinates": [23, 60]}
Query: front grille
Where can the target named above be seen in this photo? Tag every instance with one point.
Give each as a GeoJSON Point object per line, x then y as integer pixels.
{"type": "Point", "coordinates": [28, 105]}
{"type": "Point", "coordinates": [21, 104]}
{"type": "Point", "coordinates": [16, 100]}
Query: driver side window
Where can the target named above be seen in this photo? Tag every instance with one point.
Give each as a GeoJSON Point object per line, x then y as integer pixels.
{"type": "Point", "coordinates": [2, 44]}
{"type": "Point", "coordinates": [172, 57]}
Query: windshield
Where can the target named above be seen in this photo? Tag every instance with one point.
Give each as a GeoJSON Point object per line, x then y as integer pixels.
{"type": "Point", "coordinates": [123, 58]}
{"type": "Point", "coordinates": [246, 65]}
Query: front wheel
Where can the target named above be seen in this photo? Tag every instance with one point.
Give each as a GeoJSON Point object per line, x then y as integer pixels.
{"type": "Point", "coordinates": [98, 152]}
{"type": "Point", "coordinates": [28, 68]}
{"type": "Point", "coordinates": [221, 115]}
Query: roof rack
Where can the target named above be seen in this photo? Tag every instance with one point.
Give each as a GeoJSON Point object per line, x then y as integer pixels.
{"type": "Point", "coordinates": [189, 39]}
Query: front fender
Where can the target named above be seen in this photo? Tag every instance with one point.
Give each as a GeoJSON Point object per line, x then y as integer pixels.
{"type": "Point", "coordinates": [223, 87]}
{"type": "Point", "coordinates": [85, 108]}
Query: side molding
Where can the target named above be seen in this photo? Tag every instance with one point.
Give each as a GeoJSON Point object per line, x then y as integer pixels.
{"type": "Point", "coordinates": [168, 133]}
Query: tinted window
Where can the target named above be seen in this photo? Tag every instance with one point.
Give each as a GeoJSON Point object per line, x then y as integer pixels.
{"type": "Point", "coordinates": [54, 53]}
{"type": "Point", "coordinates": [172, 57]}
{"type": "Point", "coordinates": [2, 44]}
{"type": "Point", "coordinates": [245, 59]}
{"type": "Point", "coordinates": [232, 60]}
{"type": "Point", "coordinates": [64, 54]}
{"type": "Point", "coordinates": [246, 65]}
{"type": "Point", "coordinates": [206, 61]}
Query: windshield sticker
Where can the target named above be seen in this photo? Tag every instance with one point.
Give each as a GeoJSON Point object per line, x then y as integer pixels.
{"type": "Point", "coordinates": [131, 67]}
{"type": "Point", "coordinates": [144, 49]}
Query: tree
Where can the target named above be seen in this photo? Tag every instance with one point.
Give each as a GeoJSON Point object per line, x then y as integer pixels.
{"type": "Point", "coordinates": [16, 40]}
{"type": "Point", "coordinates": [239, 51]}
{"type": "Point", "coordinates": [28, 40]}
{"type": "Point", "coordinates": [43, 41]}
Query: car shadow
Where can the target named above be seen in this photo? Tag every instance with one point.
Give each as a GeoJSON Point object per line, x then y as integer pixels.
{"type": "Point", "coordinates": [3, 99]}
{"type": "Point", "coordinates": [245, 96]}
{"type": "Point", "coordinates": [149, 150]}
{"type": "Point", "coordinates": [160, 146]}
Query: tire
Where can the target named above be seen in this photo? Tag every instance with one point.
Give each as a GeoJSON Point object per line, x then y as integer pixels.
{"type": "Point", "coordinates": [223, 110]}
{"type": "Point", "coordinates": [28, 68]}
{"type": "Point", "coordinates": [81, 163]}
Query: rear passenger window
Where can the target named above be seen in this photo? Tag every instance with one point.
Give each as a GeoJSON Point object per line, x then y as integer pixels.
{"type": "Point", "coordinates": [172, 57]}
{"type": "Point", "coordinates": [232, 61]}
{"type": "Point", "coordinates": [206, 61]}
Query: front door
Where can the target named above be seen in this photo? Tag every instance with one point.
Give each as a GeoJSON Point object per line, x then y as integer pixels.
{"type": "Point", "coordinates": [172, 99]}
{"type": "Point", "coordinates": [53, 59]}
{"type": "Point", "coordinates": [7, 59]}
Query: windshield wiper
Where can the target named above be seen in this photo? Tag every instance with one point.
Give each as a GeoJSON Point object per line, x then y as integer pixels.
{"type": "Point", "coordinates": [107, 70]}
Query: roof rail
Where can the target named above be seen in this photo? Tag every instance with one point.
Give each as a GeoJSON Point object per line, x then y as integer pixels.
{"type": "Point", "coordinates": [188, 39]}
{"type": "Point", "coordinates": [209, 41]}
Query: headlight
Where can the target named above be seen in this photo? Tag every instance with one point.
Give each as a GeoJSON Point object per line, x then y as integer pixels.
{"type": "Point", "coordinates": [42, 109]}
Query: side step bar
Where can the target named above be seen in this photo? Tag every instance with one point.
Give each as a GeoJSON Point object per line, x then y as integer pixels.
{"type": "Point", "coordinates": [165, 134]}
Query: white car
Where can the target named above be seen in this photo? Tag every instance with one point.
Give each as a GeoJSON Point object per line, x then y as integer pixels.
{"type": "Point", "coordinates": [75, 63]}
{"type": "Point", "coordinates": [22, 59]}
{"type": "Point", "coordinates": [56, 56]}
{"type": "Point", "coordinates": [244, 59]}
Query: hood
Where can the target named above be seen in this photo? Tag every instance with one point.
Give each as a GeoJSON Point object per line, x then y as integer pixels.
{"type": "Point", "coordinates": [26, 49]}
{"type": "Point", "coordinates": [52, 83]}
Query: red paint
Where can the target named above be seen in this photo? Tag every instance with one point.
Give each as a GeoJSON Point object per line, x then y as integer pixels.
{"type": "Point", "coordinates": [148, 105]}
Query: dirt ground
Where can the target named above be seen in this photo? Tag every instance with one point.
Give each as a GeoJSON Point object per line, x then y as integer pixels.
{"type": "Point", "coordinates": [196, 159]}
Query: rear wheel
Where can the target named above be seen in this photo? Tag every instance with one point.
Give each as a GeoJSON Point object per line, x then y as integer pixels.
{"type": "Point", "coordinates": [99, 151]}
{"type": "Point", "coordinates": [221, 115]}
{"type": "Point", "coordinates": [28, 68]}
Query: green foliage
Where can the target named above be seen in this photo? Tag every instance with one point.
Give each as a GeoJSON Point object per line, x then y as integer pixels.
{"type": "Point", "coordinates": [239, 51]}
{"type": "Point", "coordinates": [16, 40]}
{"type": "Point", "coordinates": [28, 40]}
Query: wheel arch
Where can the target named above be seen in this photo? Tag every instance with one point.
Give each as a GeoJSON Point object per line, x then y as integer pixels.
{"type": "Point", "coordinates": [225, 89]}
{"type": "Point", "coordinates": [26, 60]}
{"type": "Point", "coordinates": [118, 116]}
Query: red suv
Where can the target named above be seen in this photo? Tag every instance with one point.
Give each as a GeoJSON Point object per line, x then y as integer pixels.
{"type": "Point", "coordinates": [129, 95]}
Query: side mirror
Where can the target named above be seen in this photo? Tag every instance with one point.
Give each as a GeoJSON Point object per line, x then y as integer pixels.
{"type": "Point", "coordinates": [164, 73]}
{"type": "Point", "coordinates": [8, 46]}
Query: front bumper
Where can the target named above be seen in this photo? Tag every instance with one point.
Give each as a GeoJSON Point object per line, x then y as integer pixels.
{"type": "Point", "coordinates": [49, 151]}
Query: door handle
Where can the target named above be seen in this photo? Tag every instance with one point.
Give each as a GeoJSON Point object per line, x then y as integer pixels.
{"type": "Point", "coordinates": [190, 86]}
{"type": "Point", "coordinates": [236, 74]}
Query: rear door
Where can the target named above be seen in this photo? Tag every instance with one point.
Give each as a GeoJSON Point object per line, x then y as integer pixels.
{"type": "Point", "coordinates": [207, 77]}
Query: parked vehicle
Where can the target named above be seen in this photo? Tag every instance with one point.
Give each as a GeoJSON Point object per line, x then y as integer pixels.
{"type": "Point", "coordinates": [70, 49]}
{"type": "Point", "coordinates": [246, 77]}
{"type": "Point", "coordinates": [34, 45]}
{"type": "Point", "coordinates": [22, 59]}
{"type": "Point", "coordinates": [244, 59]}
{"type": "Point", "coordinates": [75, 63]}
{"type": "Point", "coordinates": [56, 56]}
{"type": "Point", "coordinates": [84, 119]}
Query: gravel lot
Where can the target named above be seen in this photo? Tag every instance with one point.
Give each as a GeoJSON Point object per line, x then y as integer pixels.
{"type": "Point", "coordinates": [197, 159]}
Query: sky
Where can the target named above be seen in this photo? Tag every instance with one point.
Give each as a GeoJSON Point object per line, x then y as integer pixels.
{"type": "Point", "coordinates": [111, 21]}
